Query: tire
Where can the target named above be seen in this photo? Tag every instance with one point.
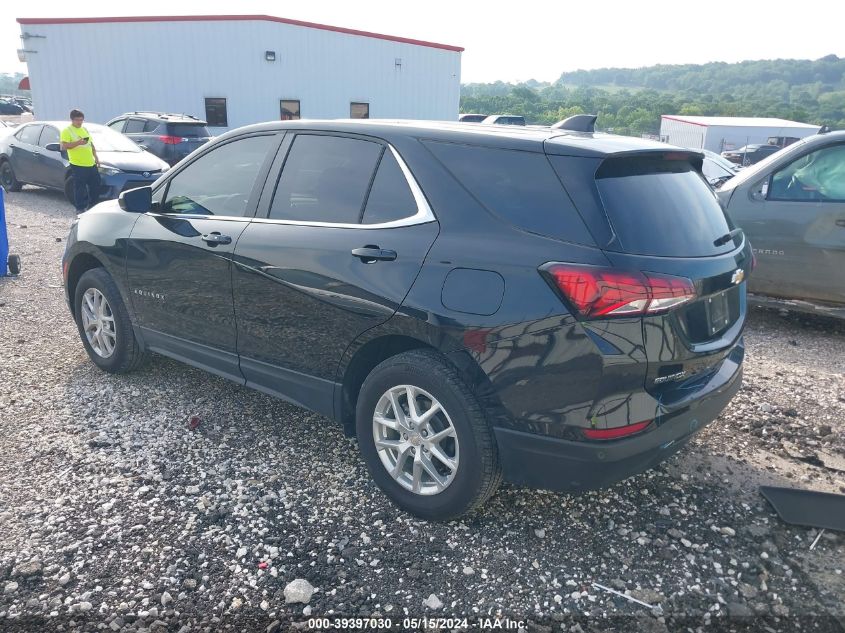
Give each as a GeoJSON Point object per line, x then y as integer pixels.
{"type": "Point", "coordinates": [477, 472]}
{"type": "Point", "coordinates": [70, 194]}
{"type": "Point", "coordinates": [124, 354]}
{"type": "Point", "coordinates": [7, 177]}
{"type": "Point", "coordinates": [14, 264]}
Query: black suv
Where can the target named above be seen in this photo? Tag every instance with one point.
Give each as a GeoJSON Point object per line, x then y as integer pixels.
{"type": "Point", "coordinates": [559, 309]}
{"type": "Point", "coordinates": [171, 137]}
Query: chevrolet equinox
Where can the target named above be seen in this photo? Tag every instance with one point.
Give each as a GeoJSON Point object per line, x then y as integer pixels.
{"type": "Point", "coordinates": [554, 308]}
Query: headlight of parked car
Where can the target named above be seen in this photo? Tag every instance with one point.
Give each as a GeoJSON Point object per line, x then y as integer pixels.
{"type": "Point", "coordinates": [108, 170]}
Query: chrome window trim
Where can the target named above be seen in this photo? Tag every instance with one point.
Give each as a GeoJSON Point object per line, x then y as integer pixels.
{"type": "Point", "coordinates": [423, 215]}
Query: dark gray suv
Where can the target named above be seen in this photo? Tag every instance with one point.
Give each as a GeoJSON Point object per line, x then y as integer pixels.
{"type": "Point", "coordinates": [171, 137]}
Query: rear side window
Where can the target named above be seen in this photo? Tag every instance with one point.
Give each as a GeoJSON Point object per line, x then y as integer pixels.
{"type": "Point", "coordinates": [325, 179]}
{"type": "Point", "coordinates": [519, 187]}
{"type": "Point", "coordinates": [188, 130]}
{"type": "Point", "coordinates": [151, 125]}
{"type": "Point", "coordinates": [661, 207]}
{"type": "Point", "coordinates": [390, 198]}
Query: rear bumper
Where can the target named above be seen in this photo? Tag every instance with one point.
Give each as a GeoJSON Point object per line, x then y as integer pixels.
{"type": "Point", "coordinates": [539, 461]}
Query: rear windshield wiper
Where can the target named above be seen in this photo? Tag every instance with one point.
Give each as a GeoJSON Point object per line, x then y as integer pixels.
{"type": "Point", "coordinates": [727, 237]}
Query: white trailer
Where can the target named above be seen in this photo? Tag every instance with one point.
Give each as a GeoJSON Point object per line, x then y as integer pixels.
{"type": "Point", "coordinates": [720, 133]}
{"type": "Point", "coordinates": [235, 70]}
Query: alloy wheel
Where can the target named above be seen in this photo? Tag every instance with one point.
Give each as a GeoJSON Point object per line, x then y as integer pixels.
{"type": "Point", "coordinates": [416, 440]}
{"type": "Point", "coordinates": [98, 323]}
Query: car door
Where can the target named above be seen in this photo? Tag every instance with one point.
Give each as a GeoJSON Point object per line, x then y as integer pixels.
{"type": "Point", "coordinates": [51, 165]}
{"type": "Point", "coordinates": [796, 224]}
{"type": "Point", "coordinates": [24, 154]}
{"type": "Point", "coordinates": [179, 255]}
{"type": "Point", "coordinates": [339, 237]}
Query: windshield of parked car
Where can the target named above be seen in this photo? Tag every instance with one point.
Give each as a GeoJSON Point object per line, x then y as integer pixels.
{"type": "Point", "coordinates": [107, 140]}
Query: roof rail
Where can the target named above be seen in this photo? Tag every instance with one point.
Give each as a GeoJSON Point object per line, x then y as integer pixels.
{"type": "Point", "coordinates": [578, 123]}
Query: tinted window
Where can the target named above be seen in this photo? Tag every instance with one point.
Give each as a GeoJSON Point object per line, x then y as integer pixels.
{"type": "Point", "coordinates": [819, 175]}
{"type": "Point", "coordinates": [519, 187]}
{"type": "Point", "coordinates": [48, 135]}
{"type": "Point", "coordinates": [151, 125]}
{"type": "Point", "coordinates": [219, 182]}
{"type": "Point", "coordinates": [359, 110]}
{"type": "Point", "coordinates": [29, 134]}
{"type": "Point", "coordinates": [117, 126]}
{"type": "Point", "coordinates": [134, 126]}
{"type": "Point", "coordinates": [188, 130]}
{"type": "Point", "coordinates": [661, 207]}
{"type": "Point", "coordinates": [289, 109]}
{"type": "Point", "coordinates": [215, 112]}
{"type": "Point", "coordinates": [325, 179]}
{"type": "Point", "coordinates": [391, 197]}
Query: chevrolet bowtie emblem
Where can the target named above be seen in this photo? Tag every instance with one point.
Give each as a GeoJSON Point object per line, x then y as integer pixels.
{"type": "Point", "coordinates": [738, 276]}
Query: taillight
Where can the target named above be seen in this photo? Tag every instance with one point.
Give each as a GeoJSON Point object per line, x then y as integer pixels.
{"type": "Point", "coordinates": [595, 292]}
{"type": "Point", "coordinates": [170, 140]}
{"type": "Point", "coordinates": [615, 433]}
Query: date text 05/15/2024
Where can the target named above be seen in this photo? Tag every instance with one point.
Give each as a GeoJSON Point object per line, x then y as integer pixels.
{"type": "Point", "coordinates": [480, 624]}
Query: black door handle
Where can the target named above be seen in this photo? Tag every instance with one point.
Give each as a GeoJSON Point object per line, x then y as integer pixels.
{"type": "Point", "coordinates": [214, 238]}
{"type": "Point", "coordinates": [840, 223]}
{"type": "Point", "coordinates": [371, 254]}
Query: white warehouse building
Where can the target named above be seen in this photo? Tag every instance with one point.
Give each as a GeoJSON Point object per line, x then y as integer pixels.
{"type": "Point", "coordinates": [719, 133]}
{"type": "Point", "coordinates": [234, 70]}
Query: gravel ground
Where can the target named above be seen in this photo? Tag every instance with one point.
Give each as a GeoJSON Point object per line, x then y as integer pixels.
{"type": "Point", "coordinates": [116, 515]}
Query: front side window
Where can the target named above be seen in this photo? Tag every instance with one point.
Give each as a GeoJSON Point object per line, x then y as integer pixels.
{"type": "Point", "coordinates": [819, 175]}
{"type": "Point", "coordinates": [325, 179]}
{"type": "Point", "coordinates": [134, 126]}
{"type": "Point", "coordinates": [359, 110]}
{"type": "Point", "coordinates": [289, 109]}
{"type": "Point", "coordinates": [215, 112]}
{"type": "Point", "coordinates": [219, 182]}
{"type": "Point", "coordinates": [48, 135]}
{"type": "Point", "coordinates": [29, 134]}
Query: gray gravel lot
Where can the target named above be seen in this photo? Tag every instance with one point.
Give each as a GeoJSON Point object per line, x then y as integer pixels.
{"type": "Point", "coordinates": [115, 515]}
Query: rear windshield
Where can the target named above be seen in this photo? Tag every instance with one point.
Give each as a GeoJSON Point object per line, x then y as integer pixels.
{"type": "Point", "coordinates": [519, 187]}
{"type": "Point", "coordinates": [661, 207]}
{"type": "Point", "coordinates": [188, 130]}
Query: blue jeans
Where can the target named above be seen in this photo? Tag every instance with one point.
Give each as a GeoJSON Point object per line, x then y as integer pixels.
{"type": "Point", "coordinates": [86, 187]}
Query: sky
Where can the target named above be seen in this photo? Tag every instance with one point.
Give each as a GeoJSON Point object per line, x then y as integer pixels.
{"type": "Point", "coordinates": [512, 41]}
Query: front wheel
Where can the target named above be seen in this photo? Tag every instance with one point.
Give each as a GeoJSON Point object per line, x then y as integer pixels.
{"type": "Point", "coordinates": [424, 437]}
{"type": "Point", "coordinates": [104, 325]}
{"type": "Point", "coordinates": [7, 177]}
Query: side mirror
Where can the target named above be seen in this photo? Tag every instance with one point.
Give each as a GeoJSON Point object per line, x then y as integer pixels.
{"type": "Point", "coordinates": [138, 200]}
{"type": "Point", "coordinates": [53, 147]}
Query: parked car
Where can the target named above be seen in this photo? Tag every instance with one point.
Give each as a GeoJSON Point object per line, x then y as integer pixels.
{"type": "Point", "coordinates": [750, 154]}
{"type": "Point", "coordinates": [504, 119]}
{"type": "Point", "coordinates": [33, 156]}
{"type": "Point", "coordinates": [171, 137]}
{"type": "Point", "coordinates": [792, 208]}
{"type": "Point", "coordinates": [472, 118]}
{"type": "Point", "coordinates": [10, 107]}
{"type": "Point", "coordinates": [563, 316]}
{"type": "Point", "coordinates": [782, 141]}
{"type": "Point", "coordinates": [716, 169]}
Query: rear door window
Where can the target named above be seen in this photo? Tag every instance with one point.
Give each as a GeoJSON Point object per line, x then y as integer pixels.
{"type": "Point", "coordinates": [325, 179]}
{"type": "Point", "coordinates": [661, 207]}
{"type": "Point", "coordinates": [134, 126]}
{"type": "Point", "coordinates": [518, 187]}
{"type": "Point", "coordinates": [390, 197]}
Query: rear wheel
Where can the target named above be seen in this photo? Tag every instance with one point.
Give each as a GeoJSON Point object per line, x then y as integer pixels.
{"type": "Point", "coordinates": [7, 177]}
{"type": "Point", "coordinates": [104, 325]}
{"type": "Point", "coordinates": [425, 438]}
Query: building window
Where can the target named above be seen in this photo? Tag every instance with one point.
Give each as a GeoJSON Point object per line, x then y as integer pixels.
{"type": "Point", "coordinates": [358, 110]}
{"type": "Point", "coordinates": [215, 112]}
{"type": "Point", "coordinates": [290, 109]}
